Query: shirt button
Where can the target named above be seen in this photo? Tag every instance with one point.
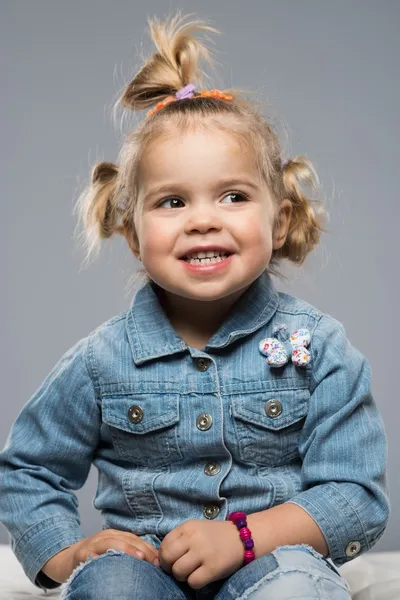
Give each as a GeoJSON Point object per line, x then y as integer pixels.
{"type": "Point", "coordinates": [204, 421]}
{"type": "Point", "coordinates": [135, 413]}
{"type": "Point", "coordinates": [211, 511]}
{"type": "Point", "coordinates": [212, 468]}
{"type": "Point", "coordinates": [353, 548]}
{"type": "Point", "coordinates": [273, 408]}
{"type": "Point", "coordinates": [202, 363]}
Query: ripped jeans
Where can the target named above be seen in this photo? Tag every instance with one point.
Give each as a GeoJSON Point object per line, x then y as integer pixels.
{"type": "Point", "coordinates": [288, 573]}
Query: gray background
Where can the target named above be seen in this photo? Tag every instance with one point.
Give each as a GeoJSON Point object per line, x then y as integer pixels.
{"type": "Point", "coordinates": [330, 72]}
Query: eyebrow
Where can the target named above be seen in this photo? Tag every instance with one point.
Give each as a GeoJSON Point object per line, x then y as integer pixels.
{"type": "Point", "coordinates": [220, 184]}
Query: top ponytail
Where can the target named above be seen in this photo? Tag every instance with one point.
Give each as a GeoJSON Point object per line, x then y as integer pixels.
{"type": "Point", "coordinates": [174, 65]}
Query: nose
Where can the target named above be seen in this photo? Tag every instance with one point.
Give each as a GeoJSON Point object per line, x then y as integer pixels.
{"type": "Point", "coordinates": [202, 219]}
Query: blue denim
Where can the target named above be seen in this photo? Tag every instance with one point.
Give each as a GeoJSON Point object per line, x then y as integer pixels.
{"type": "Point", "coordinates": [129, 398]}
{"type": "Point", "coordinates": [288, 573]}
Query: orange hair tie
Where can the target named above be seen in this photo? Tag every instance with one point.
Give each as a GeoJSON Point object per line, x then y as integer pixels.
{"type": "Point", "coordinates": [215, 94]}
{"type": "Point", "coordinates": [161, 105]}
{"type": "Point", "coordinates": [204, 93]}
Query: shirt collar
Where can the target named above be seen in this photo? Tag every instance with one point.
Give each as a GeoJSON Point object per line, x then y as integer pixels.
{"type": "Point", "coordinates": [151, 335]}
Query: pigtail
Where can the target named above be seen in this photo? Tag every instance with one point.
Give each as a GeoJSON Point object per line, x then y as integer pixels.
{"type": "Point", "coordinates": [307, 215]}
{"type": "Point", "coordinates": [174, 65]}
{"type": "Point", "coordinates": [97, 207]}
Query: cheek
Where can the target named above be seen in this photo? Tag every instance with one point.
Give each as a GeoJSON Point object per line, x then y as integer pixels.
{"type": "Point", "coordinates": [154, 236]}
{"type": "Point", "coordinates": [257, 228]}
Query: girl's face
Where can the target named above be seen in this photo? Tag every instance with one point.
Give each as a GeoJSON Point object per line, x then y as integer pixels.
{"type": "Point", "coordinates": [201, 191]}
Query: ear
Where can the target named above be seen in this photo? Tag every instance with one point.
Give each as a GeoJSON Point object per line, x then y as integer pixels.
{"type": "Point", "coordinates": [132, 239]}
{"type": "Point", "coordinates": [282, 224]}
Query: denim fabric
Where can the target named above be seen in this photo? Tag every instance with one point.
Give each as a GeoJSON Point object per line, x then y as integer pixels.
{"type": "Point", "coordinates": [288, 573]}
{"type": "Point", "coordinates": [326, 451]}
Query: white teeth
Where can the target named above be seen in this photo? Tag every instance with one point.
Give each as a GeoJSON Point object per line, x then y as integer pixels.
{"type": "Point", "coordinates": [208, 254]}
{"type": "Point", "coordinates": [206, 260]}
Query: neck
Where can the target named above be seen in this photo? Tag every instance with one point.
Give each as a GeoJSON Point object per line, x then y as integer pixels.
{"type": "Point", "coordinates": [196, 321]}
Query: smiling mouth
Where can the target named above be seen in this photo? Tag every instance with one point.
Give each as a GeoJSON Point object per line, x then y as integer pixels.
{"type": "Point", "coordinates": [206, 260]}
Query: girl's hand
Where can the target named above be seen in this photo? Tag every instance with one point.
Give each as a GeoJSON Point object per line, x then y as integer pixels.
{"type": "Point", "coordinates": [60, 566]}
{"type": "Point", "coordinates": [201, 551]}
{"type": "Point", "coordinates": [106, 539]}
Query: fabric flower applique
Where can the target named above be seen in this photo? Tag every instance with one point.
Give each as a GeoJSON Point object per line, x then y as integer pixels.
{"type": "Point", "coordinates": [281, 347]}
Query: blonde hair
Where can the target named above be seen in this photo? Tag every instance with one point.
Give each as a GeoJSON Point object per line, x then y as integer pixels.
{"type": "Point", "coordinates": [108, 204]}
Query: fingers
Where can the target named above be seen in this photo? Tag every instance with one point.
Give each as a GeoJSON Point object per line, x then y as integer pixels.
{"type": "Point", "coordinates": [169, 553]}
{"type": "Point", "coordinates": [199, 578]}
{"type": "Point", "coordinates": [137, 549]}
{"type": "Point", "coordinates": [184, 566]}
{"type": "Point", "coordinates": [117, 540]}
{"type": "Point", "coordinates": [131, 538]}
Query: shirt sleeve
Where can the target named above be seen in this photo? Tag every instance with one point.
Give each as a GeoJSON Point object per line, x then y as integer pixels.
{"type": "Point", "coordinates": [343, 448]}
{"type": "Point", "coordinates": [48, 453]}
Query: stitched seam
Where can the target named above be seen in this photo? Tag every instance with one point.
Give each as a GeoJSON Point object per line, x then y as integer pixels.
{"type": "Point", "coordinates": [311, 313]}
{"type": "Point", "coordinates": [90, 362]}
{"type": "Point", "coordinates": [273, 300]}
{"type": "Point", "coordinates": [41, 527]}
{"type": "Point", "coordinates": [348, 501]}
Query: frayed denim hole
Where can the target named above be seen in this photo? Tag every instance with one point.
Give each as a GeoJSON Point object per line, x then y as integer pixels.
{"type": "Point", "coordinates": [78, 569]}
{"type": "Point", "coordinates": [313, 552]}
{"type": "Point", "coordinates": [303, 548]}
{"type": "Point", "coordinates": [276, 574]}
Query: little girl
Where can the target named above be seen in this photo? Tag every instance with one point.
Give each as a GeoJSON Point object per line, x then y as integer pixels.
{"type": "Point", "coordinates": [240, 452]}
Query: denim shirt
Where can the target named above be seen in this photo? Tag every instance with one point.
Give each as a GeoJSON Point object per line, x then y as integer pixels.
{"type": "Point", "coordinates": [180, 433]}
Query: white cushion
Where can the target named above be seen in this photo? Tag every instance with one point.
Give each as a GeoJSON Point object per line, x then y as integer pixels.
{"type": "Point", "coordinates": [374, 576]}
{"type": "Point", "coordinates": [14, 584]}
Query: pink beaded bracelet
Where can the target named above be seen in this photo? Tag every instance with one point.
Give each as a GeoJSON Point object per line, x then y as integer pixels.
{"type": "Point", "coordinates": [239, 519]}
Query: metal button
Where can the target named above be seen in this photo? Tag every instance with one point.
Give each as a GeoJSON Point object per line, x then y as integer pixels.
{"type": "Point", "coordinates": [135, 413]}
{"type": "Point", "coordinates": [204, 421]}
{"type": "Point", "coordinates": [202, 363]}
{"type": "Point", "coordinates": [211, 511]}
{"type": "Point", "coordinates": [212, 468]}
{"type": "Point", "coordinates": [353, 548]}
{"type": "Point", "coordinates": [273, 408]}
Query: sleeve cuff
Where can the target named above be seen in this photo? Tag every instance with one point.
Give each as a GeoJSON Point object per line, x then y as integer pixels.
{"type": "Point", "coordinates": [42, 541]}
{"type": "Point", "coordinates": [338, 521]}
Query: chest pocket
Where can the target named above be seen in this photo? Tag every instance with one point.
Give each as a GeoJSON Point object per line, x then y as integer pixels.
{"type": "Point", "coordinates": [143, 428]}
{"type": "Point", "coordinates": [268, 425]}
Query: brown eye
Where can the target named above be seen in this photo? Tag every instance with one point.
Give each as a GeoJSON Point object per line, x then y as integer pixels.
{"type": "Point", "coordinates": [171, 200]}
{"type": "Point", "coordinates": [238, 197]}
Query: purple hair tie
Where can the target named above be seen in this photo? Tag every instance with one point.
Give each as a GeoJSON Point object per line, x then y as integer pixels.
{"type": "Point", "coordinates": [284, 163]}
{"type": "Point", "coordinates": [185, 92]}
